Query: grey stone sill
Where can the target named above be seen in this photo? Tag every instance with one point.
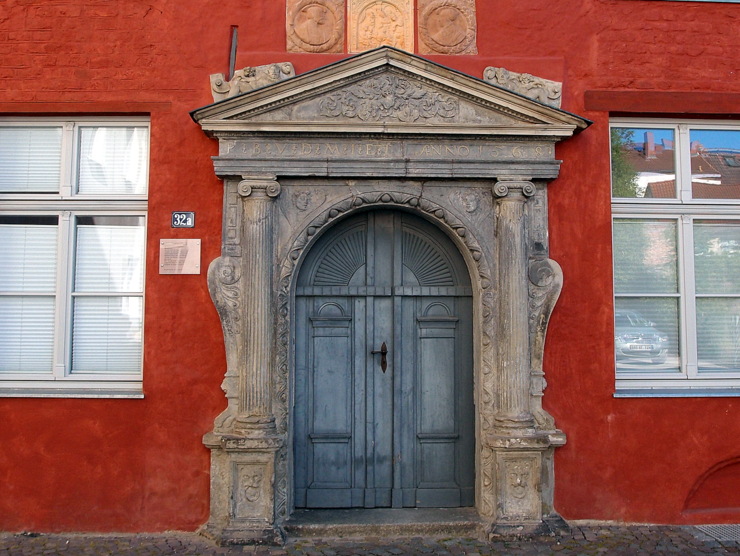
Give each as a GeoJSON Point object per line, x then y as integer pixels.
{"type": "Point", "coordinates": [677, 393]}
{"type": "Point", "coordinates": [133, 393]}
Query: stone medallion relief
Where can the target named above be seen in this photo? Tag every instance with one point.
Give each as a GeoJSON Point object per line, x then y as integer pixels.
{"type": "Point", "coordinates": [315, 25]}
{"type": "Point", "coordinates": [374, 23]}
{"type": "Point", "coordinates": [447, 27]}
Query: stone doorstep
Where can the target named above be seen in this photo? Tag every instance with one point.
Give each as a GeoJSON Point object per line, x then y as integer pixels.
{"type": "Point", "coordinates": [385, 523]}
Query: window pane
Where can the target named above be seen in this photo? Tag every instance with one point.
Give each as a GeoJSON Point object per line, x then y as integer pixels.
{"type": "Point", "coordinates": [643, 162]}
{"type": "Point", "coordinates": [718, 334]}
{"type": "Point", "coordinates": [106, 335]}
{"type": "Point", "coordinates": [29, 254]}
{"type": "Point", "coordinates": [646, 334]}
{"type": "Point", "coordinates": [113, 160]}
{"type": "Point", "coordinates": [645, 256]}
{"type": "Point", "coordinates": [715, 164]}
{"type": "Point", "coordinates": [26, 334]}
{"type": "Point", "coordinates": [110, 254]}
{"type": "Point", "coordinates": [717, 256]}
{"type": "Point", "coordinates": [30, 159]}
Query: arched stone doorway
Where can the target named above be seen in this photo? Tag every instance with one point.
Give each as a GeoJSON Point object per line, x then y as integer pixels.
{"type": "Point", "coordinates": [383, 399]}
{"type": "Point", "coordinates": [302, 155]}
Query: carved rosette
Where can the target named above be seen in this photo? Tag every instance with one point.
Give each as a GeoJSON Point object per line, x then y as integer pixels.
{"type": "Point", "coordinates": [447, 27]}
{"type": "Point", "coordinates": [315, 25]}
{"type": "Point", "coordinates": [369, 102]}
{"type": "Point", "coordinates": [374, 23]}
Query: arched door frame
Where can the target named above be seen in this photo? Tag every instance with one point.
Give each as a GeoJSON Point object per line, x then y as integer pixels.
{"type": "Point", "coordinates": [476, 265]}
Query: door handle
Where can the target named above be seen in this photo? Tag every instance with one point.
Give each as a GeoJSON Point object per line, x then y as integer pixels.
{"type": "Point", "coordinates": [383, 351]}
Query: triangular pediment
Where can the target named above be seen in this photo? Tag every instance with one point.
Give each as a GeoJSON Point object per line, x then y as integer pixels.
{"type": "Point", "coordinates": [386, 91]}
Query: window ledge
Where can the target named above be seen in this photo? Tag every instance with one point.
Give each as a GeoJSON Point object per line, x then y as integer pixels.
{"type": "Point", "coordinates": [133, 393]}
{"type": "Point", "coordinates": [730, 392]}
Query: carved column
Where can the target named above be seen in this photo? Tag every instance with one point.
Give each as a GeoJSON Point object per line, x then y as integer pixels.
{"type": "Point", "coordinates": [255, 408]}
{"type": "Point", "coordinates": [513, 324]}
{"type": "Point", "coordinates": [244, 441]}
{"type": "Point", "coordinates": [521, 452]}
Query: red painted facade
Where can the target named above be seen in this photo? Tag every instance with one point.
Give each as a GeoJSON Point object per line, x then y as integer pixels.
{"type": "Point", "coordinates": [140, 465]}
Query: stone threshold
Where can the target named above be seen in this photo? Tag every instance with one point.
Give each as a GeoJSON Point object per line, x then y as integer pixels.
{"type": "Point", "coordinates": [386, 523]}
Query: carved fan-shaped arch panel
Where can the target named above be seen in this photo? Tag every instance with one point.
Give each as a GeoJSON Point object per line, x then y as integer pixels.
{"type": "Point", "coordinates": [342, 259]}
{"type": "Point", "coordinates": [425, 261]}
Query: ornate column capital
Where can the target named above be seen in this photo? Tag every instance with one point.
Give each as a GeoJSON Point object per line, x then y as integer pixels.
{"type": "Point", "coordinates": [259, 186]}
{"type": "Point", "coordinates": [513, 189]}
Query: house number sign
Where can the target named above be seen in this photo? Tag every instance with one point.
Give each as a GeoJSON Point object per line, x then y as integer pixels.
{"type": "Point", "coordinates": [183, 219]}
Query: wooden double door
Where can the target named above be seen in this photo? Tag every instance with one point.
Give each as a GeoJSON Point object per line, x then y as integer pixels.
{"type": "Point", "coordinates": [383, 404]}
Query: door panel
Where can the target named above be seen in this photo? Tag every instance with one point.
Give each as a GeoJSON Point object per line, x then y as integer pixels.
{"type": "Point", "coordinates": [365, 437]}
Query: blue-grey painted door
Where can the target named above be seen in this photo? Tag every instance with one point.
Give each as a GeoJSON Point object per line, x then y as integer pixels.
{"type": "Point", "coordinates": [370, 437]}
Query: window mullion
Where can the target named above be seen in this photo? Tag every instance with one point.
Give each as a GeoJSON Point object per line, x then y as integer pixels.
{"type": "Point", "coordinates": [683, 163]}
{"type": "Point", "coordinates": [68, 141]}
{"type": "Point", "coordinates": [688, 297]}
{"type": "Point", "coordinates": [62, 294]}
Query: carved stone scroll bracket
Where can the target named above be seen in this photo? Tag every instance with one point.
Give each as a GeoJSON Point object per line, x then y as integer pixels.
{"type": "Point", "coordinates": [249, 78]}
{"type": "Point", "coordinates": [545, 284]}
{"type": "Point", "coordinates": [539, 89]}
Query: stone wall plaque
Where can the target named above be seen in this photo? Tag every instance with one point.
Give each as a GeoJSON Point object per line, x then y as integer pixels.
{"type": "Point", "coordinates": [374, 23]}
{"type": "Point", "coordinates": [539, 89]}
{"type": "Point", "coordinates": [447, 27]}
{"type": "Point", "coordinates": [315, 25]}
{"type": "Point", "coordinates": [179, 256]}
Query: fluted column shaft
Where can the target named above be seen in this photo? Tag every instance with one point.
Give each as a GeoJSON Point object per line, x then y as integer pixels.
{"type": "Point", "coordinates": [255, 379]}
{"type": "Point", "coordinates": [513, 318]}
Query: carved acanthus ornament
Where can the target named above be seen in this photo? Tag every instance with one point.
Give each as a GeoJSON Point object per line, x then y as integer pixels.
{"type": "Point", "coordinates": [386, 97]}
{"type": "Point", "coordinates": [539, 89]}
{"type": "Point", "coordinates": [248, 79]}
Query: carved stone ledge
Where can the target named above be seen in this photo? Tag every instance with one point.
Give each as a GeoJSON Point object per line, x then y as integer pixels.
{"type": "Point", "coordinates": [248, 79]}
{"type": "Point", "coordinates": [539, 89]}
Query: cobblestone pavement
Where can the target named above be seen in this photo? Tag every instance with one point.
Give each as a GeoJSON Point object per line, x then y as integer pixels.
{"type": "Point", "coordinates": [598, 540]}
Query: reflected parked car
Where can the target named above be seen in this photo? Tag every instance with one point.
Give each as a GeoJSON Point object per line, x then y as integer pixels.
{"type": "Point", "coordinates": [637, 337]}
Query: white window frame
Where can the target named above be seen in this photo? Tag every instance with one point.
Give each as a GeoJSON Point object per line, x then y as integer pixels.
{"type": "Point", "coordinates": [67, 205]}
{"type": "Point", "coordinates": [684, 210]}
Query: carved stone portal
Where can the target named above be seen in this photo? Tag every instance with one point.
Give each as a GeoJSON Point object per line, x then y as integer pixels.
{"type": "Point", "coordinates": [383, 130]}
{"type": "Point", "coordinates": [374, 23]}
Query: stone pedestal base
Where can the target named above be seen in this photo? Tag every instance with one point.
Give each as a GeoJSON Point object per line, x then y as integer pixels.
{"type": "Point", "coordinates": [242, 493]}
{"type": "Point", "coordinates": [523, 470]}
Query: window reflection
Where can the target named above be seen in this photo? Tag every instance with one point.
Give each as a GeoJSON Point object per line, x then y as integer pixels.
{"type": "Point", "coordinates": [715, 164]}
{"type": "Point", "coordinates": [643, 162]}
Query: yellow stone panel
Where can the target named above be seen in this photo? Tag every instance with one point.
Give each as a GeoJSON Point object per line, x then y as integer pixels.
{"type": "Point", "coordinates": [315, 25]}
{"type": "Point", "coordinates": [374, 23]}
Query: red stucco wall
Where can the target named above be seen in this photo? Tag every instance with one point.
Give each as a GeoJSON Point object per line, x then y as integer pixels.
{"type": "Point", "coordinates": [139, 465]}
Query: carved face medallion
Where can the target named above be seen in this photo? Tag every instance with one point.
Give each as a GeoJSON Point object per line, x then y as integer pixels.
{"type": "Point", "coordinates": [447, 28]}
{"type": "Point", "coordinates": [315, 26]}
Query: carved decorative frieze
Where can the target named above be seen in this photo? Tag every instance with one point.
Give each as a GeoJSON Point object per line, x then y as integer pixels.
{"type": "Point", "coordinates": [248, 79]}
{"type": "Point", "coordinates": [539, 89]}
{"type": "Point", "coordinates": [374, 23]}
{"type": "Point", "coordinates": [315, 25]}
{"type": "Point", "coordinates": [389, 97]}
{"type": "Point", "coordinates": [447, 27]}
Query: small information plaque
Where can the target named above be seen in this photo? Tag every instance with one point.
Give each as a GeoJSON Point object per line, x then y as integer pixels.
{"type": "Point", "coordinates": [179, 256]}
{"type": "Point", "coordinates": [183, 220]}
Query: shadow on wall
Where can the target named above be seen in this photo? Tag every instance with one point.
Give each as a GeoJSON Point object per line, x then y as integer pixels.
{"type": "Point", "coordinates": [718, 490]}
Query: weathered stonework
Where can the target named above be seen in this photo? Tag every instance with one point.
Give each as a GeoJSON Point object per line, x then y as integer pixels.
{"type": "Point", "coordinates": [541, 90]}
{"type": "Point", "coordinates": [315, 25]}
{"type": "Point", "coordinates": [447, 27]}
{"type": "Point", "coordinates": [248, 79]}
{"type": "Point", "coordinates": [472, 159]}
{"type": "Point", "coordinates": [374, 23]}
